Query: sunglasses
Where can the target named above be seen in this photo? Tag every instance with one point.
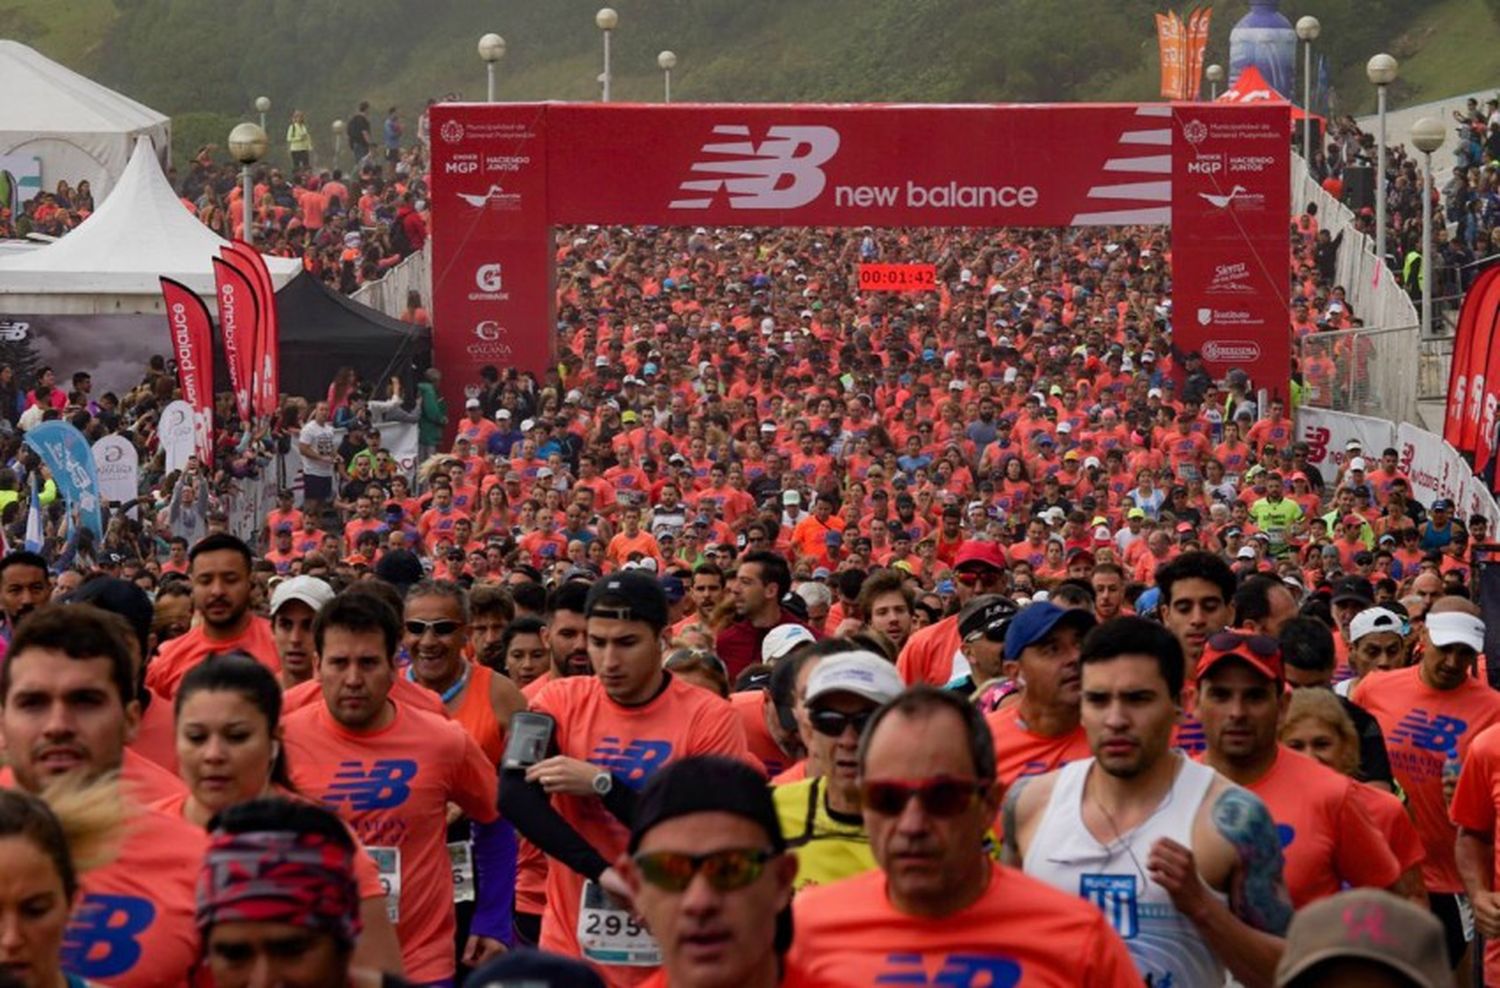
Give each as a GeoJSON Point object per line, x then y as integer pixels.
{"type": "Point", "coordinates": [943, 796]}
{"type": "Point", "coordinates": [725, 871]}
{"type": "Point", "coordinates": [832, 723]}
{"type": "Point", "coordinates": [968, 578]}
{"type": "Point", "coordinates": [1261, 646]}
{"type": "Point", "coordinates": [440, 628]}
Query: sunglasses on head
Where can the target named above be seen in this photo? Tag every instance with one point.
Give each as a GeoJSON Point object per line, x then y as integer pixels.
{"type": "Point", "coordinates": [1262, 646]}
{"type": "Point", "coordinates": [833, 723]}
{"type": "Point", "coordinates": [440, 628]}
{"type": "Point", "coordinates": [942, 796]}
{"type": "Point", "coordinates": [725, 871]}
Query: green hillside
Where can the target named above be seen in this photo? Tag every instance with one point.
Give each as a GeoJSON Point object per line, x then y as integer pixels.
{"type": "Point", "coordinates": [204, 61]}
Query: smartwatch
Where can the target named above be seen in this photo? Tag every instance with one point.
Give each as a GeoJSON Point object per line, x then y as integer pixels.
{"type": "Point", "coordinates": [603, 783]}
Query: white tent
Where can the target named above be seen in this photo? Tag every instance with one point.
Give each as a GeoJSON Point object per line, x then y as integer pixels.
{"type": "Point", "coordinates": [78, 128]}
{"type": "Point", "coordinates": [111, 262]}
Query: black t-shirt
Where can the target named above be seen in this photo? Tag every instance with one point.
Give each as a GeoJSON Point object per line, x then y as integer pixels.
{"type": "Point", "coordinates": [359, 130]}
{"type": "Point", "coordinates": [1374, 763]}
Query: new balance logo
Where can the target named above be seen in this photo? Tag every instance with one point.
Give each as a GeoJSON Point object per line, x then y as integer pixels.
{"type": "Point", "coordinates": [953, 971]}
{"type": "Point", "coordinates": [383, 786]}
{"type": "Point", "coordinates": [632, 763]}
{"type": "Point", "coordinates": [1422, 730]}
{"type": "Point", "coordinates": [103, 939]}
{"type": "Point", "coordinates": [781, 172]}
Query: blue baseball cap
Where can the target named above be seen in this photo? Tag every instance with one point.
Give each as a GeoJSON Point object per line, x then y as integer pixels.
{"type": "Point", "coordinates": [1037, 621]}
{"type": "Point", "coordinates": [673, 588]}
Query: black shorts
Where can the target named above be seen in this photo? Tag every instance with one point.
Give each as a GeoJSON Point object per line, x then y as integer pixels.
{"type": "Point", "coordinates": [316, 488]}
{"type": "Point", "coordinates": [1452, 908]}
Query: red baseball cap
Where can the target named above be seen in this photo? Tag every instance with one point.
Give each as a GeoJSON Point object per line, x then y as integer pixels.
{"type": "Point", "coordinates": [975, 551]}
{"type": "Point", "coordinates": [1260, 652]}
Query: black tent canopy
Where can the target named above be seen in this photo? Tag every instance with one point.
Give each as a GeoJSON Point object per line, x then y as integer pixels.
{"type": "Point", "coordinates": [322, 331]}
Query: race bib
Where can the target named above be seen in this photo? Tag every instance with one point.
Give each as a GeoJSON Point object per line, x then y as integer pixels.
{"type": "Point", "coordinates": [388, 864]}
{"type": "Point", "coordinates": [461, 856]}
{"type": "Point", "coordinates": [608, 934]}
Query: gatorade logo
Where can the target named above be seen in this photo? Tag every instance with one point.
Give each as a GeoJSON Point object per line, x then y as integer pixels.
{"type": "Point", "coordinates": [103, 939]}
{"type": "Point", "coordinates": [952, 971]}
{"type": "Point", "coordinates": [633, 763]}
{"type": "Point", "coordinates": [384, 786]}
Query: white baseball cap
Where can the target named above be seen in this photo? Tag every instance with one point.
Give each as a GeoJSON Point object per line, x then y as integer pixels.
{"type": "Point", "coordinates": [471, 403]}
{"type": "Point", "coordinates": [1358, 463]}
{"type": "Point", "coordinates": [861, 673]}
{"type": "Point", "coordinates": [308, 589]}
{"type": "Point", "coordinates": [1373, 620]}
{"type": "Point", "coordinates": [782, 639]}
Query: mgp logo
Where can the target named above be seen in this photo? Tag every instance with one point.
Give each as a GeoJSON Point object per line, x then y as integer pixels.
{"type": "Point", "coordinates": [784, 171]}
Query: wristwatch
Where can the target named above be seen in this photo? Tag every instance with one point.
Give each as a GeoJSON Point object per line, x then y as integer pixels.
{"type": "Point", "coordinates": [603, 783]}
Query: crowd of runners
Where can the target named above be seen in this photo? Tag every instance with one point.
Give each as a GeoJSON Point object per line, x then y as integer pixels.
{"type": "Point", "coordinates": [778, 634]}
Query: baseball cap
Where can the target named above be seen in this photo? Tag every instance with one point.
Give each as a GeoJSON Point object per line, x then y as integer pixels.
{"type": "Point", "coordinates": [986, 613]}
{"type": "Point", "coordinates": [534, 967]}
{"type": "Point", "coordinates": [1358, 463]}
{"type": "Point", "coordinates": [503, 413]}
{"type": "Point", "coordinates": [628, 596]}
{"type": "Point", "coordinates": [1136, 513]}
{"type": "Point", "coordinates": [791, 497]}
{"type": "Point", "coordinates": [1456, 628]}
{"type": "Point", "coordinates": [781, 639]}
{"type": "Point", "coordinates": [862, 673]}
{"type": "Point", "coordinates": [1261, 652]}
{"type": "Point", "coordinates": [1245, 553]}
{"type": "Point", "coordinates": [308, 589]}
{"type": "Point", "coordinates": [471, 403]}
{"type": "Point", "coordinates": [1374, 620]}
{"type": "Point", "coordinates": [1366, 924]}
{"type": "Point", "coordinates": [1036, 622]}
{"type": "Point", "coordinates": [1442, 504]}
{"type": "Point", "coordinates": [673, 588]}
{"type": "Point", "coordinates": [974, 551]}
{"type": "Point", "coordinates": [1353, 588]}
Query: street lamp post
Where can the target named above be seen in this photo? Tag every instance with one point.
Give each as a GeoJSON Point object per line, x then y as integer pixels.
{"type": "Point", "coordinates": [668, 61]}
{"type": "Point", "coordinates": [338, 140]}
{"type": "Point", "coordinates": [1215, 75]}
{"type": "Point", "coordinates": [607, 20]}
{"type": "Point", "coordinates": [1427, 134]}
{"type": "Point", "coordinates": [247, 143]}
{"type": "Point", "coordinates": [1381, 70]}
{"type": "Point", "coordinates": [263, 106]}
{"type": "Point", "coordinates": [491, 49]}
{"type": "Point", "coordinates": [1307, 29]}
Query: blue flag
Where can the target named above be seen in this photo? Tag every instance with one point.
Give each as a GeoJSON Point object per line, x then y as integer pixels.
{"type": "Point", "coordinates": [35, 532]}
{"type": "Point", "coordinates": [66, 453]}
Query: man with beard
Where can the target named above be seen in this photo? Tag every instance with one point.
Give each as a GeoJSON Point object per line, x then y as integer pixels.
{"type": "Point", "coordinates": [25, 585]}
{"type": "Point", "coordinates": [564, 635]}
{"type": "Point", "coordinates": [219, 568]}
{"type": "Point", "coordinates": [294, 606]}
{"type": "Point", "coordinates": [1184, 864]}
{"type": "Point", "coordinates": [481, 701]}
{"type": "Point", "coordinates": [490, 610]}
{"type": "Point", "coordinates": [762, 579]}
{"type": "Point", "coordinates": [67, 709]}
{"type": "Point", "coordinates": [886, 603]}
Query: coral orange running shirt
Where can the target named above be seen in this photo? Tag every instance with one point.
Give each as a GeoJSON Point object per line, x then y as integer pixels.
{"type": "Point", "coordinates": [1020, 932]}
{"type": "Point", "coordinates": [1327, 839]}
{"type": "Point", "coordinates": [178, 656]}
{"type": "Point", "coordinates": [1423, 727]}
{"type": "Point", "coordinates": [1020, 753]}
{"type": "Point", "coordinates": [750, 707]}
{"type": "Point", "coordinates": [633, 743]}
{"type": "Point", "coordinates": [134, 924]}
{"type": "Point", "coordinates": [392, 786]}
{"type": "Point", "coordinates": [1476, 806]}
{"type": "Point", "coordinates": [928, 654]}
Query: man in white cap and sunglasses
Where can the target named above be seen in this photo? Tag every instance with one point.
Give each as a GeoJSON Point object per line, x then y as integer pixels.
{"type": "Point", "coordinates": [821, 815]}
{"type": "Point", "coordinates": [1431, 713]}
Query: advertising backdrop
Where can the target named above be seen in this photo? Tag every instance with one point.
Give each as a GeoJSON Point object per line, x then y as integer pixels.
{"type": "Point", "coordinates": [505, 174]}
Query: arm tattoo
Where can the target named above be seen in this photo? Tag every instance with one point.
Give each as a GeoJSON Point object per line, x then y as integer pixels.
{"type": "Point", "coordinates": [1258, 892]}
{"type": "Point", "coordinates": [1011, 850]}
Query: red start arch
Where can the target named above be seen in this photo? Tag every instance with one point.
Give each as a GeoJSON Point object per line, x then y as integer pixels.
{"type": "Point", "coordinates": [503, 174]}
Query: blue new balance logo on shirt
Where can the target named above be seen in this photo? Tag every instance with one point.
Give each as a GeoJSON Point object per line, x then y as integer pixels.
{"type": "Point", "coordinates": [383, 786]}
{"type": "Point", "coordinates": [953, 971]}
{"type": "Point", "coordinates": [103, 938]}
{"type": "Point", "coordinates": [1429, 733]}
{"type": "Point", "coordinates": [631, 763]}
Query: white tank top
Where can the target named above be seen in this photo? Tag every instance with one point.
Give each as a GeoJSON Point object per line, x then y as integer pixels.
{"type": "Point", "coordinates": [1166, 947]}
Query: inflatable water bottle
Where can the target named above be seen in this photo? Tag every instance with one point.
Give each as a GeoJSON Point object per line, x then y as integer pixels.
{"type": "Point", "coordinates": [1265, 39]}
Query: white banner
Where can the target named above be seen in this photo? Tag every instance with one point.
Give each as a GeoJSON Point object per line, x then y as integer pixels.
{"type": "Point", "coordinates": [176, 433]}
{"type": "Point", "coordinates": [1437, 470]}
{"type": "Point", "coordinates": [1326, 433]}
{"type": "Point", "coordinates": [119, 468]}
